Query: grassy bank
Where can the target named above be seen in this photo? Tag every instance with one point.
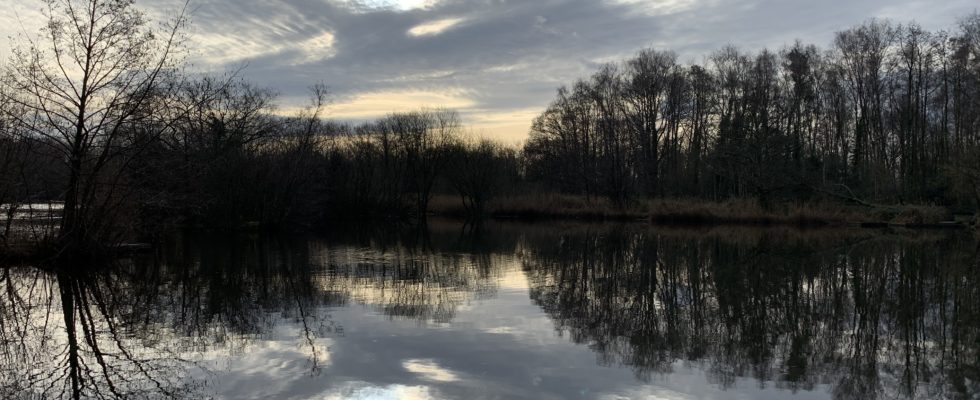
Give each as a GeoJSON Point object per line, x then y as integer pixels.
{"type": "Point", "coordinates": [680, 211]}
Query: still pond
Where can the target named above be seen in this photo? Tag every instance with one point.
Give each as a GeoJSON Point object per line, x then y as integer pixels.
{"type": "Point", "coordinates": [505, 311]}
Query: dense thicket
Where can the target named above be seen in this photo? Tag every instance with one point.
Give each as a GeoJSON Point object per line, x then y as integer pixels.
{"type": "Point", "coordinates": [217, 153]}
{"type": "Point", "coordinates": [232, 161]}
{"type": "Point", "coordinates": [889, 113]}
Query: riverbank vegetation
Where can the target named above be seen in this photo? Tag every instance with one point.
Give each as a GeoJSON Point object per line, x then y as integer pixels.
{"type": "Point", "coordinates": [98, 115]}
{"type": "Point", "coordinates": [886, 115]}
{"type": "Point", "coordinates": [694, 211]}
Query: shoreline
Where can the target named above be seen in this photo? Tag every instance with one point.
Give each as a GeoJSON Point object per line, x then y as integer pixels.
{"type": "Point", "coordinates": [695, 212]}
{"type": "Point", "coordinates": [26, 253]}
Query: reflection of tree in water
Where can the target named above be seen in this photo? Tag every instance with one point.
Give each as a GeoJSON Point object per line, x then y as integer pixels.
{"type": "Point", "coordinates": [77, 336]}
{"type": "Point", "coordinates": [226, 291]}
{"type": "Point", "coordinates": [221, 288]}
{"type": "Point", "coordinates": [880, 318]}
{"type": "Point", "coordinates": [409, 282]}
{"type": "Point", "coordinates": [133, 330]}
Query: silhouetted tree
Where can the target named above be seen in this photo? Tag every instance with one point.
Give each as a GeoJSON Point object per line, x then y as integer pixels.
{"type": "Point", "coordinates": [888, 114]}
{"type": "Point", "coordinates": [80, 88]}
{"type": "Point", "coordinates": [479, 172]}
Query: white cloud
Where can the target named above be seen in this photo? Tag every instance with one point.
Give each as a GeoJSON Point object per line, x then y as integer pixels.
{"type": "Point", "coordinates": [318, 48]}
{"type": "Point", "coordinates": [434, 27]}
{"type": "Point", "coordinates": [400, 5]}
{"type": "Point", "coordinates": [661, 7]}
{"type": "Point", "coordinates": [216, 49]}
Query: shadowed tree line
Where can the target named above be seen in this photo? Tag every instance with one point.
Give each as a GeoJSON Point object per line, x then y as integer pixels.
{"type": "Point", "coordinates": [888, 113]}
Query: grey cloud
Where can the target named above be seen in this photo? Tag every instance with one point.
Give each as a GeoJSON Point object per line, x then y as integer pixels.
{"type": "Point", "coordinates": [505, 54]}
{"type": "Point", "coordinates": [498, 50]}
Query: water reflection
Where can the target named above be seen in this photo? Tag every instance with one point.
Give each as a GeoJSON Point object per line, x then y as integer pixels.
{"type": "Point", "coordinates": [445, 313]}
{"type": "Point", "coordinates": [882, 318]}
{"type": "Point", "coordinates": [82, 336]}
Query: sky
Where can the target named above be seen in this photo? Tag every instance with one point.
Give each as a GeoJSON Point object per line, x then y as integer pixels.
{"type": "Point", "coordinates": [498, 62]}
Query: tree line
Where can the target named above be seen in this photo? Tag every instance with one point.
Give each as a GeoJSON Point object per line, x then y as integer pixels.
{"type": "Point", "coordinates": [889, 113]}
{"type": "Point", "coordinates": [854, 315]}
{"type": "Point", "coordinates": [98, 113]}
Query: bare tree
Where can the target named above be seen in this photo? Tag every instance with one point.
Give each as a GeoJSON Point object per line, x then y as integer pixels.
{"type": "Point", "coordinates": [86, 81]}
{"type": "Point", "coordinates": [423, 140]}
{"type": "Point", "coordinates": [891, 111]}
{"type": "Point", "coordinates": [479, 171]}
{"type": "Point", "coordinates": [863, 52]}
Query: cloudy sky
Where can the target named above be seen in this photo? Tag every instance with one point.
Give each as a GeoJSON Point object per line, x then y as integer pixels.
{"type": "Point", "coordinates": [496, 61]}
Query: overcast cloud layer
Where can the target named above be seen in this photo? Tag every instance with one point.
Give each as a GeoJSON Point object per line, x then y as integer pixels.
{"type": "Point", "coordinates": [497, 61]}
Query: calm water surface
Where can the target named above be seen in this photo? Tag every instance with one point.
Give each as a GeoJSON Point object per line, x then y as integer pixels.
{"type": "Point", "coordinates": [548, 311]}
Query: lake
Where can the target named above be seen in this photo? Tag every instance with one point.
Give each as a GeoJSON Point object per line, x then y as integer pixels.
{"type": "Point", "coordinates": [506, 310]}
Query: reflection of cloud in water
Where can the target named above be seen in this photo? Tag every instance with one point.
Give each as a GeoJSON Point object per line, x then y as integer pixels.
{"type": "Point", "coordinates": [390, 392]}
{"type": "Point", "coordinates": [267, 367]}
{"type": "Point", "coordinates": [429, 370]}
{"type": "Point", "coordinates": [513, 278]}
{"type": "Point", "coordinates": [687, 381]}
{"type": "Point", "coordinates": [622, 312]}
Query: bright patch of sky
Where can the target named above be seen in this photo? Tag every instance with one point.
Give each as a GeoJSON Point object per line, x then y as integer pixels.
{"type": "Point", "coordinates": [434, 27]}
{"type": "Point", "coordinates": [402, 5]}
